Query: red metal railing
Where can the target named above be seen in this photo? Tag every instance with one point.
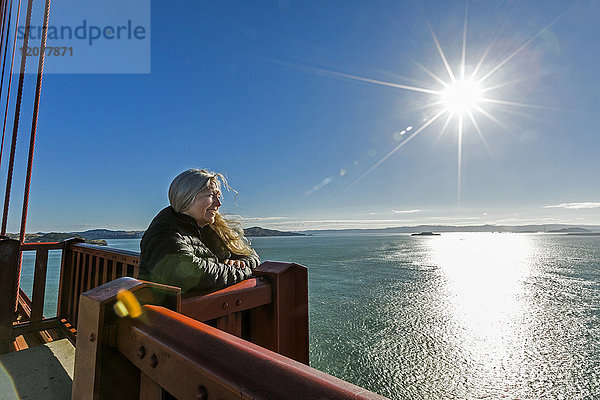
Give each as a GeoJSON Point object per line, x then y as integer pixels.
{"type": "Point", "coordinates": [270, 310]}
{"type": "Point", "coordinates": [85, 267]}
{"type": "Point", "coordinates": [164, 351]}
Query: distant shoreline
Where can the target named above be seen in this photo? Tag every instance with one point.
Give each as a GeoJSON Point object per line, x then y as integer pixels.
{"type": "Point", "coordinates": [97, 236]}
{"type": "Point", "coordinates": [546, 228]}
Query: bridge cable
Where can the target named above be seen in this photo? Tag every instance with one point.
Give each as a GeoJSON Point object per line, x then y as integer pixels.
{"type": "Point", "coordinates": [34, 122]}
{"type": "Point", "coordinates": [9, 177]}
{"type": "Point", "coordinates": [5, 47]}
{"type": "Point", "coordinates": [2, 23]}
{"type": "Point", "coordinates": [13, 147]}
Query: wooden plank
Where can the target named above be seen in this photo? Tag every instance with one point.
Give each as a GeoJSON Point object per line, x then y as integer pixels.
{"type": "Point", "coordinates": [125, 256]}
{"type": "Point", "coordinates": [42, 246]}
{"type": "Point", "coordinates": [99, 369]}
{"type": "Point", "coordinates": [149, 390]}
{"type": "Point", "coordinates": [76, 290]}
{"type": "Point", "coordinates": [113, 273]}
{"type": "Point", "coordinates": [88, 271]}
{"type": "Point", "coordinates": [9, 256]}
{"type": "Point", "coordinates": [27, 327]}
{"type": "Point", "coordinates": [194, 360]}
{"type": "Point", "coordinates": [65, 288]}
{"type": "Point", "coordinates": [71, 286]}
{"type": "Point", "coordinates": [283, 325]}
{"type": "Point", "coordinates": [104, 276]}
{"type": "Point", "coordinates": [97, 271]}
{"type": "Point", "coordinates": [68, 330]}
{"type": "Point", "coordinates": [245, 295]}
{"type": "Point", "coordinates": [20, 343]}
{"type": "Point", "coordinates": [39, 285]}
{"type": "Point", "coordinates": [23, 306]}
{"type": "Point", "coordinates": [231, 323]}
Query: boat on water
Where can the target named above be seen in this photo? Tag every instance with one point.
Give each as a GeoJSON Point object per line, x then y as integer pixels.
{"type": "Point", "coordinates": [425, 234]}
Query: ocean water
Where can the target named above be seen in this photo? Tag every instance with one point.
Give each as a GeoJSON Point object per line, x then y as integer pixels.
{"type": "Point", "coordinates": [457, 316]}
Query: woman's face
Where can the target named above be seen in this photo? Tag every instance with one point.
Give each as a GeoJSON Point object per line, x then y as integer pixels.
{"type": "Point", "coordinates": [205, 205]}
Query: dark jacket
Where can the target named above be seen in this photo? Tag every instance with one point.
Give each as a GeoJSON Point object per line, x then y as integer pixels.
{"type": "Point", "coordinates": [175, 251]}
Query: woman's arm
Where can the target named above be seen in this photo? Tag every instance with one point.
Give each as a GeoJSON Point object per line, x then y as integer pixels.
{"type": "Point", "coordinates": [250, 261]}
{"type": "Point", "coordinates": [173, 259]}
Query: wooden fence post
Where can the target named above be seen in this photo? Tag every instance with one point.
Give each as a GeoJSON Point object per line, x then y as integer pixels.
{"type": "Point", "coordinates": [9, 258]}
{"type": "Point", "coordinates": [65, 285]}
{"type": "Point", "coordinates": [282, 326]}
{"type": "Point", "coordinates": [101, 372]}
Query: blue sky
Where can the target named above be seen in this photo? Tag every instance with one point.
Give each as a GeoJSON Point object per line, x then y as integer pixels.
{"type": "Point", "coordinates": [294, 101]}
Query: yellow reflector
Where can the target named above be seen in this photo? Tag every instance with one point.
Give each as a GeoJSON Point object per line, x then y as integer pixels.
{"type": "Point", "coordinates": [127, 304]}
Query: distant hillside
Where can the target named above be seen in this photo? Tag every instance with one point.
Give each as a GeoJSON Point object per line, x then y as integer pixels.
{"type": "Point", "coordinates": [570, 230]}
{"type": "Point", "coordinates": [256, 231]}
{"type": "Point", "coordinates": [108, 234]}
{"type": "Point", "coordinates": [55, 237]}
{"type": "Point", "coordinates": [98, 236]}
{"type": "Point", "coordinates": [471, 228]}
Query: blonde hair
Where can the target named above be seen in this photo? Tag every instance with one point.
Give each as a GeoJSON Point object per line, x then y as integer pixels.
{"type": "Point", "coordinates": [186, 186]}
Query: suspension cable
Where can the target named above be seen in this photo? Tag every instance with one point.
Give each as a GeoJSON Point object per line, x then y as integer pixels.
{"type": "Point", "coordinates": [14, 143]}
{"type": "Point", "coordinates": [3, 13]}
{"type": "Point", "coordinates": [5, 46]}
{"type": "Point", "coordinates": [13, 147]}
{"type": "Point", "coordinates": [34, 121]}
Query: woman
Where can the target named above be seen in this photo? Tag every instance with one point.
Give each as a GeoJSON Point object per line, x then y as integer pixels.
{"type": "Point", "coordinates": [189, 244]}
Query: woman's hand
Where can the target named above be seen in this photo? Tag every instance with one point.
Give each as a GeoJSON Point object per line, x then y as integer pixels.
{"type": "Point", "coordinates": [239, 264]}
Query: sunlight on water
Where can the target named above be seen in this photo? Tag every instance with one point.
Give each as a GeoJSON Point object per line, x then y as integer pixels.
{"type": "Point", "coordinates": [457, 316]}
{"type": "Point", "coordinates": [484, 280]}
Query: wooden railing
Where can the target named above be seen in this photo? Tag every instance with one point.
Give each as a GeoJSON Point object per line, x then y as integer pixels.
{"type": "Point", "coordinates": [270, 309]}
{"type": "Point", "coordinates": [254, 343]}
{"type": "Point", "coordinates": [82, 268]}
{"type": "Point", "coordinates": [85, 267]}
{"type": "Point", "coordinates": [162, 351]}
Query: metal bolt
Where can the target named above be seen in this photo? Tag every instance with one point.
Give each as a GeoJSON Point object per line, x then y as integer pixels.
{"type": "Point", "coordinates": [202, 393]}
{"type": "Point", "coordinates": [153, 361]}
{"type": "Point", "coordinates": [92, 337]}
{"type": "Point", "coordinates": [142, 352]}
{"type": "Point", "coordinates": [225, 305]}
{"type": "Point", "coordinates": [238, 302]}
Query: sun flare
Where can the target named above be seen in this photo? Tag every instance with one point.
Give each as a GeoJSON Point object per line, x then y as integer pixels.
{"type": "Point", "coordinates": [462, 96]}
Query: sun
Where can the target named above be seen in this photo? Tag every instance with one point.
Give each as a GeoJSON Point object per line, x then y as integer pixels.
{"type": "Point", "coordinates": [462, 96]}
{"type": "Point", "coordinates": [458, 97]}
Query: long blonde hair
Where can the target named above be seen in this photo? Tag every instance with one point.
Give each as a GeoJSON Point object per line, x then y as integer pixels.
{"type": "Point", "coordinates": [186, 186]}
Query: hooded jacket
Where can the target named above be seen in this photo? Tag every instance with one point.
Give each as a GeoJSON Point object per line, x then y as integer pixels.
{"type": "Point", "coordinates": [175, 251]}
